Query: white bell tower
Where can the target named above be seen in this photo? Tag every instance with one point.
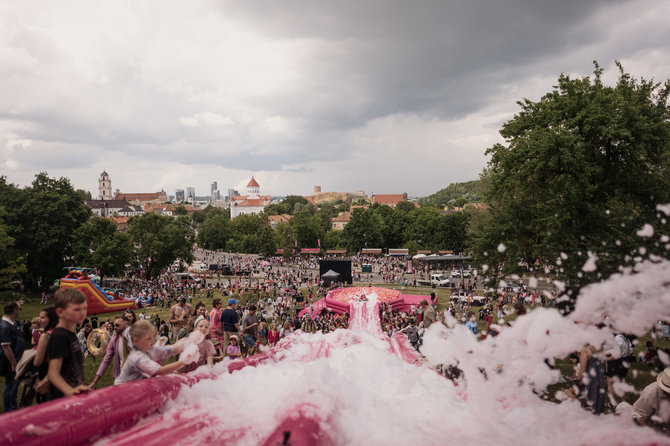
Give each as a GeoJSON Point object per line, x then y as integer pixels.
{"type": "Point", "coordinates": [104, 187]}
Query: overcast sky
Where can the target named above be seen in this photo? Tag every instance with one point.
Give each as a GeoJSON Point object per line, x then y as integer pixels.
{"type": "Point", "coordinates": [383, 96]}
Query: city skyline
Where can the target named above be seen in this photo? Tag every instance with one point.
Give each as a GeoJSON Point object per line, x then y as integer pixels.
{"type": "Point", "coordinates": [385, 97]}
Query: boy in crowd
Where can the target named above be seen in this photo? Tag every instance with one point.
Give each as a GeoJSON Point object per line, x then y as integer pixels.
{"type": "Point", "coordinates": [66, 360]}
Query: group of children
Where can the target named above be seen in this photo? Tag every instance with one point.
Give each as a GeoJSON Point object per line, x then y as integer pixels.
{"type": "Point", "coordinates": [58, 356]}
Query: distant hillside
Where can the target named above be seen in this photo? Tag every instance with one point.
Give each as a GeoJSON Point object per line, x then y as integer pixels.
{"type": "Point", "coordinates": [330, 197]}
{"type": "Point", "coordinates": [456, 194]}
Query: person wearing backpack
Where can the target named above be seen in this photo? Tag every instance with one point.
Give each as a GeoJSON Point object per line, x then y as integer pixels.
{"type": "Point", "coordinates": [412, 333]}
{"type": "Point", "coordinates": [13, 344]}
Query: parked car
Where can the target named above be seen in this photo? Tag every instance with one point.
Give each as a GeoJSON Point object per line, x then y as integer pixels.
{"type": "Point", "coordinates": [515, 286]}
{"type": "Point", "coordinates": [440, 280]}
{"type": "Point", "coordinates": [472, 299]}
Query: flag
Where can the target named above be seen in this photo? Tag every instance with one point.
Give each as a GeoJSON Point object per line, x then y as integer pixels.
{"type": "Point", "coordinates": [319, 241]}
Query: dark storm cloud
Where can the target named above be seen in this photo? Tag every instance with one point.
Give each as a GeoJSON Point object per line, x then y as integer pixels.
{"type": "Point", "coordinates": [442, 58]}
{"type": "Point", "coordinates": [329, 88]}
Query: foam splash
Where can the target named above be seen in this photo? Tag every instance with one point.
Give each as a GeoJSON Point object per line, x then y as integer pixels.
{"type": "Point", "coordinates": [191, 352]}
{"type": "Point", "coordinates": [366, 393]}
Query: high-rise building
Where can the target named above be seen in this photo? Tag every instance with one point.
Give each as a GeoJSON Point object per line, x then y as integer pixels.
{"type": "Point", "coordinates": [104, 187]}
{"type": "Point", "coordinates": [179, 196]}
{"type": "Point", "coordinates": [232, 193]}
{"type": "Point", "coordinates": [214, 195]}
{"type": "Point", "coordinates": [190, 194]}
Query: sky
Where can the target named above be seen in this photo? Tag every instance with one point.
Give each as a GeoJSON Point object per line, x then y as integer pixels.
{"type": "Point", "coordinates": [380, 96]}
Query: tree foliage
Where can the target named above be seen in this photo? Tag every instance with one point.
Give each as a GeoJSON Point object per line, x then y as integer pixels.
{"type": "Point", "coordinates": [456, 194]}
{"type": "Point", "coordinates": [42, 220]}
{"type": "Point", "coordinates": [289, 205]}
{"type": "Point", "coordinates": [99, 245]}
{"type": "Point", "coordinates": [161, 240]}
{"type": "Point", "coordinates": [215, 232]}
{"type": "Point", "coordinates": [581, 171]}
{"type": "Point", "coordinates": [12, 265]}
{"type": "Point", "coordinates": [363, 230]}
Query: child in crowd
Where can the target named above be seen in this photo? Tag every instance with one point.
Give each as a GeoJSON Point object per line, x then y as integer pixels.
{"type": "Point", "coordinates": [286, 330]}
{"type": "Point", "coordinates": [205, 348]}
{"type": "Point", "coordinates": [142, 361]}
{"type": "Point", "coordinates": [273, 334]}
{"type": "Point", "coordinates": [263, 333]}
{"type": "Point", "coordinates": [36, 330]}
{"type": "Point", "coordinates": [472, 323]}
{"type": "Point", "coordinates": [66, 360]}
{"type": "Point", "coordinates": [82, 336]}
{"type": "Point", "coordinates": [233, 350]}
{"type": "Point", "coordinates": [188, 328]}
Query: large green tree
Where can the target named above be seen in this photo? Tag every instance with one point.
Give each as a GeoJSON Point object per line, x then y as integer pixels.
{"type": "Point", "coordinates": [215, 232]}
{"type": "Point", "coordinates": [42, 220]}
{"type": "Point", "coordinates": [12, 265]}
{"type": "Point", "coordinates": [425, 227]}
{"type": "Point", "coordinates": [161, 240]}
{"type": "Point", "coordinates": [99, 245]}
{"type": "Point", "coordinates": [363, 231]}
{"type": "Point", "coordinates": [307, 228]}
{"type": "Point", "coordinates": [581, 171]}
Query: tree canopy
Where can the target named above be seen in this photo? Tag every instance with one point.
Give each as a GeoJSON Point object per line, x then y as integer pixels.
{"type": "Point", "coordinates": [456, 194]}
{"type": "Point", "coordinates": [161, 240]}
{"type": "Point", "coordinates": [581, 172]}
{"type": "Point", "coordinates": [42, 220]}
{"type": "Point", "coordinates": [12, 265]}
{"type": "Point", "coordinates": [99, 245]}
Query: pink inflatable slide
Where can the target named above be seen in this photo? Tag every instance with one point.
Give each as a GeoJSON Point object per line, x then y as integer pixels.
{"type": "Point", "coordinates": [131, 414]}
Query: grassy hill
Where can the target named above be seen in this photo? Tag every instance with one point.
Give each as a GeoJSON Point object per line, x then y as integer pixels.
{"type": "Point", "coordinates": [456, 194]}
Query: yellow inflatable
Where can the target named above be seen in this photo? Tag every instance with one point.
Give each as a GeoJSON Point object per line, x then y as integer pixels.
{"type": "Point", "coordinates": [97, 342]}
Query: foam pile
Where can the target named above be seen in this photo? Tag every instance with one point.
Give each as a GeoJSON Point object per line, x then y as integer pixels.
{"type": "Point", "coordinates": [359, 392]}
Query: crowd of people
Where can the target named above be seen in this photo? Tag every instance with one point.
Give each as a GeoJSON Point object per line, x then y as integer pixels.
{"type": "Point", "coordinates": [51, 350]}
{"type": "Point", "coordinates": [140, 345]}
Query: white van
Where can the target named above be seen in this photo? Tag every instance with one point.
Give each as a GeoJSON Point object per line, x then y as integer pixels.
{"type": "Point", "coordinates": [440, 280]}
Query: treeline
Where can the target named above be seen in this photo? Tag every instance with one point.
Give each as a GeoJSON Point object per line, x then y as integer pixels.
{"type": "Point", "coordinates": [46, 227]}
{"type": "Point", "coordinates": [406, 226]}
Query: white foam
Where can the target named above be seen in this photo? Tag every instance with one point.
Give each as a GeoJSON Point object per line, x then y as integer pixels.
{"type": "Point", "coordinates": [370, 396]}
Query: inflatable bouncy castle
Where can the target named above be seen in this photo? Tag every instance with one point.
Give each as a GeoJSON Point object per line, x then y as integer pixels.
{"type": "Point", "coordinates": [98, 300]}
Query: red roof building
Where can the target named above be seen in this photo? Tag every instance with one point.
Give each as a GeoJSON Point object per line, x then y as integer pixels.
{"type": "Point", "coordinates": [389, 199]}
{"type": "Point", "coordinates": [143, 198]}
{"type": "Point", "coordinates": [341, 220]}
{"type": "Point", "coordinates": [276, 219]}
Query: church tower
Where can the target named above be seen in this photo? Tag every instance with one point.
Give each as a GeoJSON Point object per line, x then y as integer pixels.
{"type": "Point", "coordinates": [253, 188]}
{"type": "Point", "coordinates": [104, 187]}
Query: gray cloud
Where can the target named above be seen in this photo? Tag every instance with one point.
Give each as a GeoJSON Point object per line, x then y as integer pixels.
{"type": "Point", "coordinates": [292, 90]}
